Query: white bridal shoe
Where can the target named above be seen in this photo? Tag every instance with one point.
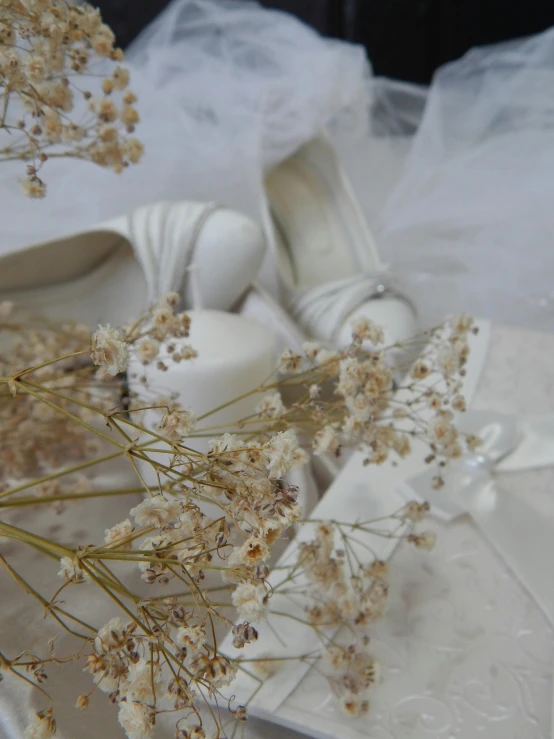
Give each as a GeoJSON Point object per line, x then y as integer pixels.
{"type": "Point", "coordinates": [111, 273]}
{"type": "Point", "coordinates": [326, 256]}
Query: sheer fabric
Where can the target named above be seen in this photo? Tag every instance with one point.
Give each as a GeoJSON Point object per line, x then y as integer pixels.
{"type": "Point", "coordinates": [226, 89]}
{"type": "Point", "coordinates": [471, 218]}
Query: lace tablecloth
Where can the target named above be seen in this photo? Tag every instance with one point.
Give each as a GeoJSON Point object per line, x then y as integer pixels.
{"type": "Point", "coordinates": [465, 652]}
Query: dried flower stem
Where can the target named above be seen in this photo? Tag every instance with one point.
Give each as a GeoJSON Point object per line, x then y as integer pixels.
{"type": "Point", "coordinates": [163, 653]}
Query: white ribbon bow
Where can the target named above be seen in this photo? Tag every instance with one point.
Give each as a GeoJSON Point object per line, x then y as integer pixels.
{"type": "Point", "coordinates": [521, 534]}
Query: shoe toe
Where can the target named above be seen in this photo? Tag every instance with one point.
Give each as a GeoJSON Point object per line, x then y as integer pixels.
{"type": "Point", "coordinates": [229, 251]}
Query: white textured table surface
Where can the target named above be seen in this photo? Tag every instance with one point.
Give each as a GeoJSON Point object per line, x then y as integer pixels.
{"type": "Point", "coordinates": [465, 651]}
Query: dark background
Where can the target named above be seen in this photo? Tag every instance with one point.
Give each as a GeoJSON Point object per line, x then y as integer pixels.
{"type": "Point", "coordinates": [406, 39]}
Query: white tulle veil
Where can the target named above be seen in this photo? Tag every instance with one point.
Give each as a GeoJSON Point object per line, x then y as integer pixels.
{"type": "Point", "coordinates": [459, 185]}
{"type": "Point", "coordinates": [472, 218]}
{"type": "Point", "coordinates": [225, 90]}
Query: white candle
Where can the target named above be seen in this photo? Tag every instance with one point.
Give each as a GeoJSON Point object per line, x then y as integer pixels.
{"type": "Point", "coordinates": [235, 355]}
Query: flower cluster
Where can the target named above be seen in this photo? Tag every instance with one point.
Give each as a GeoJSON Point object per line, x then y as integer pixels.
{"type": "Point", "coordinates": [171, 539]}
{"type": "Point", "coordinates": [353, 397]}
{"type": "Point", "coordinates": [435, 385]}
{"type": "Point", "coordinates": [343, 596]}
{"type": "Point", "coordinates": [149, 339]}
{"type": "Point", "coordinates": [46, 47]}
{"type": "Point", "coordinates": [53, 402]}
{"type": "Point", "coordinates": [354, 671]}
{"type": "Point", "coordinates": [344, 589]}
{"type": "Point", "coordinates": [203, 536]}
{"type": "Point", "coordinates": [148, 671]}
{"type": "Point", "coordinates": [43, 429]}
{"type": "Point", "coordinates": [127, 665]}
{"type": "Point", "coordinates": [243, 481]}
{"type": "Point", "coordinates": [108, 350]}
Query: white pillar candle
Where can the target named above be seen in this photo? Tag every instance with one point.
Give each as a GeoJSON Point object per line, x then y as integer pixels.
{"type": "Point", "coordinates": [235, 355]}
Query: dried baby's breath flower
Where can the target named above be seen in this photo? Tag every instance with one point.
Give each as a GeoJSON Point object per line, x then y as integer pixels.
{"type": "Point", "coordinates": [143, 676]}
{"type": "Point", "coordinates": [44, 48]}
{"type": "Point", "coordinates": [133, 150]}
{"type": "Point", "coordinates": [420, 370]}
{"type": "Point", "coordinates": [170, 298]}
{"type": "Point", "coordinates": [271, 406]}
{"type": "Point", "coordinates": [156, 511]}
{"type": "Point", "coordinates": [191, 732]}
{"type": "Point", "coordinates": [82, 702]}
{"type": "Point", "coordinates": [311, 350]}
{"type": "Point", "coordinates": [137, 719]}
{"type": "Point", "coordinates": [314, 391]}
{"type": "Point", "coordinates": [437, 482]}
{"type": "Point", "coordinates": [207, 533]}
{"type": "Point", "coordinates": [377, 569]}
{"type": "Point", "coordinates": [108, 350]}
{"type": "Point", "coordinates": [425, 540]}
{"type": "Point", "coordinates": [42, 726]}
{"type": "Point", "coordinates": [71, 570]}
{"type": "Point", "coordinates": [326, 441]}
{"type": "Point", "coordinates": [254, 551]}
{"type": "Point", "coordinates": [221, 671]}
{"type": "Point", "coordinates": [191, 638]}
{"type": "Point", "coordinates": [177, 424]}
{"type": "Point", "coordinates": [113, 635]}
{"type": "Point", "coordinates": [442, 430]}
{"type": "Point", "coordinates": [290, 362]}
{"type": "Point", "coordinates": [243, 633]}
{"type": "Point", "coordinates": [461, 324]}
{"type": "Point", "coordinates": [459, 403]}
{"type": "Point", "coordinates": [354, 706]}
{"type": "Point", "coordinates": [147, 350]}
{"type": "Point", "coordinates": [240, 713]}
{"type": "Point", "coordinates": [188, 352]}
{"type": "Point", "coordinates": [336, 656]}
{"type": "Point", "coordinates": [250, 600]}
{"type": "Point", "coordinates": [415, 512]}
{"type": "Point", "coordinates": [326, 357]}
{"type": "Point", "coordinates": [284, 454]}
{"type": "Point", "coordinates": [129, 116]}
{"type": "Point", "coordinates": [118, 535]}
{"type": "Point", "coordinates": [120, 78]}
{"type": "Point", "coordinates": [449, 360]}
{"type": "Point", "coordinates": [162, 315]}
{"type": "Point", "coordinates": [33, 187]}
{"type": "Point", "coordinates": [364, 329]}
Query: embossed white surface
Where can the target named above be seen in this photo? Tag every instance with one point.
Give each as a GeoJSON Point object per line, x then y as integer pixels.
{"type": "Point", "coordinates": [465, 651]}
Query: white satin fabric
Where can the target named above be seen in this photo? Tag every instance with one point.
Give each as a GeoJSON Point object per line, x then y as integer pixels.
{"type": "Point", "coordinates": [323, 310]}
{"type": "Point", "coordinates": [208, 254]}
{"type": "Point", "coordinates": [174, 246]}
{"type": "Point", "coordinates": [164, 238]}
